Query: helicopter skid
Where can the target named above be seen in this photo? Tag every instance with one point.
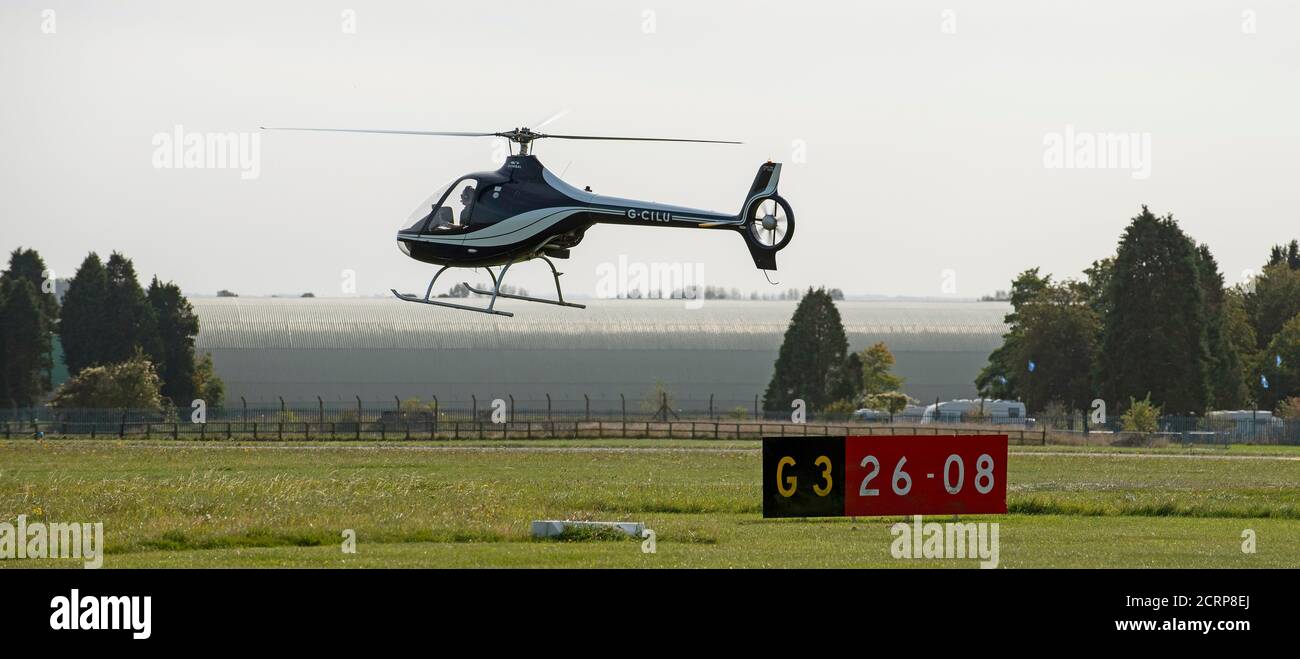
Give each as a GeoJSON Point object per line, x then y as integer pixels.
{"type": "Point", "coordinates": [495, 293]}
{"type": "Point", "coordinates": [512, 296]}
{"type": "Point", "coordinates": [407, 297]}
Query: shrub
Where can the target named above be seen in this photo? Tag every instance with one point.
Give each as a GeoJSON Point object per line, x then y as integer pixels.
{"type": "Point", "coordinates": [888, 401]}
{"type": "Point", "coordinates": [132, 384]}
{"type": "Point", "coordinates": [1141, 416]}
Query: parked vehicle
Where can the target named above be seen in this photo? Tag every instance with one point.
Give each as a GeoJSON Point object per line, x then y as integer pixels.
{"type": "Point", "coordinates": [978, 410]}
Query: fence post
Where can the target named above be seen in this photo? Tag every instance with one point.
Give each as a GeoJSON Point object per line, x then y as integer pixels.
{"type": "Point", "coordinates": [244, 404]}
{"type": "Point", "coordinates": [435, 417]}
{"type": "Point", "coordinates": [623, 399]}
{"type": "Point", "coordinates": [474, 413]}
{"type": "Point", "coordinates": [710, 407]}
{"type": "Point", "coordinates": [321, 405]}
{"type": "Point", "coordinates": [512, 407]}
{"type": "Point", "coordinates": [587, 398]}
{"type": "Point", "coordinates": [756, 406]}
{"type": "Point", "coordinates": [548, 407]}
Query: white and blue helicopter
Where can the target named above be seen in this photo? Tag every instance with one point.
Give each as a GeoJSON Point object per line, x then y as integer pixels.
{"type": "Point", "coordinates": [523, 211]}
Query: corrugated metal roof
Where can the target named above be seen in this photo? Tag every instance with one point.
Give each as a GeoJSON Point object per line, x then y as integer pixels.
{"type": "Point", "coordinates": [378, 324]}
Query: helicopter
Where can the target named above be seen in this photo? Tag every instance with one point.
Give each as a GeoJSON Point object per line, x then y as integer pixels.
{"type": "Point", "coordinates": [523, 211]}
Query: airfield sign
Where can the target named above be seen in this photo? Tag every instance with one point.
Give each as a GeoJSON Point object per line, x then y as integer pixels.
{"type": "Point", "coordinates": [863, 476]}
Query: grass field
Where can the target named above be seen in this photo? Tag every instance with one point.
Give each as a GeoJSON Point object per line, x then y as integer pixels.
{"type": "Point", "coordinates": [431, 504]}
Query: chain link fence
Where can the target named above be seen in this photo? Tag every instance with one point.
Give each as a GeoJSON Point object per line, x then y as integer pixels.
{"type": "Point", "coordinates": [641, 417]}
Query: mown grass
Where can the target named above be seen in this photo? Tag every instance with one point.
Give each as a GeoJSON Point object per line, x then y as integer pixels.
{"type": "Point", "coordinates": [184, 504]}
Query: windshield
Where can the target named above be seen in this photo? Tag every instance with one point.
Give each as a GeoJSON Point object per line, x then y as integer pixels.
{"type": "Point", "coordinates": [457, 204]}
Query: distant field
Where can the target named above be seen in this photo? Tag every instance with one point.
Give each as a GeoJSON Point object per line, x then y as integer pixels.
{"type": "Point", "coordinates": [178, 504]}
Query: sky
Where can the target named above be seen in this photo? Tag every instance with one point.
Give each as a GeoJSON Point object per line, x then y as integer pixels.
{"type": "Point", "coordinates": [930, 148]}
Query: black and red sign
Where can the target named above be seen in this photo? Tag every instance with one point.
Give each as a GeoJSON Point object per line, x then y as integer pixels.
{"type": "Point", "coordinates": [884, 475]}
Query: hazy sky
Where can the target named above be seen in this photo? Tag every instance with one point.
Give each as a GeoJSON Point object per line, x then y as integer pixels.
{"type": "Point", "coordinates": [915, 133]}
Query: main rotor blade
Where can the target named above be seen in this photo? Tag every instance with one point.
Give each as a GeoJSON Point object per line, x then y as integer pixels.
{"type": "Point", "coordinates": [554, 117]}
{"type": "Point", "coordinates": [634, 139]}
{"type": "Point", "coordinates": [388, 132]}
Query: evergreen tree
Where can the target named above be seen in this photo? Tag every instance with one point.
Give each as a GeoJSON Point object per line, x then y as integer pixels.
{"type": "Point", "coordinates": [81, 327]}
{"type": "Point", "coordinates": [128, 323]}
{"type": "Point", "coordinates": [1240, 336]}
{"type": "Point", "coordinates": [1228, 390]}
{"type": "Point", "coordinates": [1288, 254]}
{"type": "Point", "coordinates": [177, 327]}
{"type": "Point", "coordinates": [25, 342]}
{"type": "Point", "coordinates": [847, 379]}
{"type": "Point", "coordinates": [811, 356]}
{"type": "Point", "coordinates": [1154, 336]}
{"type": "Point", "coordinates": [27, 264]}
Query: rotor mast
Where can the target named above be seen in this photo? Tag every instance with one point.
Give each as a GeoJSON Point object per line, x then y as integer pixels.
{"type": "Point", "coordinates": [523, 137]}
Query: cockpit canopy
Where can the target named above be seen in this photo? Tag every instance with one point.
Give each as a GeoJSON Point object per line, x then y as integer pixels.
{"type": "Point", "coordinates": [447, 210]}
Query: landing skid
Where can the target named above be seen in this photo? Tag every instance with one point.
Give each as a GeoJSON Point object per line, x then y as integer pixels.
{"type": "Point", "coordinates": [408, 297]}
{"type": "Point", "coordinates": [495, 293]}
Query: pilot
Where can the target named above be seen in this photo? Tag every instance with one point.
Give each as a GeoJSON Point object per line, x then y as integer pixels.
{"type": "Point", "coordinates": [466, 200]}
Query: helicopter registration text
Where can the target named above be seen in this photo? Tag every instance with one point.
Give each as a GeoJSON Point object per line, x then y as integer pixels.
{"type": "Point", "coordinates": [649, 216]}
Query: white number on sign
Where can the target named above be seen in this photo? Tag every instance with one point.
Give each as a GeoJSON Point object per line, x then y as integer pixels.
{"type": "Point", "coordinates": [900, 475]}
{"type": "Point", "coordinates": [875, 469]}
{"type": "Point", "coordinates": [953, 488]}
{"type": "Point", "coordinates": [984, 471]}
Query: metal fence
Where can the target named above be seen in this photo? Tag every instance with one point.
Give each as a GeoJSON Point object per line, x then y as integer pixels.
{"type": "Point", "coordinates": [507, 418]}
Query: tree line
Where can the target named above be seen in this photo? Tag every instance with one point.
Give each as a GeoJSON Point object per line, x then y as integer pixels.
{"type": "Point", "coordinates": [1154, 322]}
{"type": "Point", "coordinates": [124, 345]}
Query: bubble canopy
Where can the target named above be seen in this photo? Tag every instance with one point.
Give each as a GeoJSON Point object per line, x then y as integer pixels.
{"type": "Point", "coordinates": [449, 206]}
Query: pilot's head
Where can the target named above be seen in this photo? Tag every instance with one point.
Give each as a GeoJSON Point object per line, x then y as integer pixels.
{"type": "Point", "coordinates": [467, 195]}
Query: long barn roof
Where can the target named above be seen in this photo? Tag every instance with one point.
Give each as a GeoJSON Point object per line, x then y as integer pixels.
{"type": "Point", "coordinates": [378, 324]}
